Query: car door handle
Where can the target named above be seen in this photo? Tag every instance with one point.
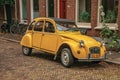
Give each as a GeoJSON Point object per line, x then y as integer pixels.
{"type": "Point", "coordinates": [43, 34]}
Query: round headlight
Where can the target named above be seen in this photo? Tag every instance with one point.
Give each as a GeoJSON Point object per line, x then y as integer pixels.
{"type": "Point", "coordinates": [102, 43]}
{"type": "Point", "coordinates": [82, 43]}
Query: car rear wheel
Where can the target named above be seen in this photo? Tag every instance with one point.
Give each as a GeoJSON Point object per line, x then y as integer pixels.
{"type": "Point", "coordinates": [26, 50]}
{"type": "Point", "coordinates": [66, 57]}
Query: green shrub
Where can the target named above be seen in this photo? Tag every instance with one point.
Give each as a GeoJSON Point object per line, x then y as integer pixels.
{"type": "Point", "coordinates": [84, 16]}
{"type": "Point", "coordinates": [110, 17]}
{"type": "Point", "coordinates": [105, 32]}
{"type": "Point", "coordinates": [111, 37]}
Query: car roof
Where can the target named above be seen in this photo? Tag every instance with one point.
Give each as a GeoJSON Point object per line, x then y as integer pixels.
{"type": "Point", "coordinates": [58, 20]}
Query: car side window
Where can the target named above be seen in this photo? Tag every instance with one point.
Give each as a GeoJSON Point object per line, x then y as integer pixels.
{"type": "Point", "coordinates": [39, 26]}
{"type": "Point", "coordinates": [49, 27]}
{"type": "Point", "coordinates": [31, 25]}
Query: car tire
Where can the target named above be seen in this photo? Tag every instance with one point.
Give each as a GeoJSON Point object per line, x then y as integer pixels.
{"type": "Point", "coordinates": [66, 57]}
{"type": "Point", "coordinates": [26, 50]}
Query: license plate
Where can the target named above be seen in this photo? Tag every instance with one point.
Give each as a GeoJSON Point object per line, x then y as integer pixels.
{"type": "Point", "coordinates": [95, 55]}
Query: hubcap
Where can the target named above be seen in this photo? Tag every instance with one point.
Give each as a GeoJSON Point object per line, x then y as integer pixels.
{"type": "Point", "coordinates": [65, 57]}
{"type": "Point", "coordinates": [26, 50]}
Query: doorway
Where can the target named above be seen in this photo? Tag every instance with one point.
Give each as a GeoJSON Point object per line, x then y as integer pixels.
{"type": "Point", "coordinates": [62, 8]}
{"type": "Point", "coordinates": [50, 8]}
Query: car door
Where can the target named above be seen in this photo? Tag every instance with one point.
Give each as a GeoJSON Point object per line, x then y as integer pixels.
{"type": "Point", "coordinates": [37, 33]}
{"type": "Point", "coordinates": [50, 37]}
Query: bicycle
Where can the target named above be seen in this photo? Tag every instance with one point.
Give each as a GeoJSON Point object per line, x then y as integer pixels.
{"type": "Point", "coordinates": [18, 28]}
{"type": "Point", "coordinates": [4, 27]}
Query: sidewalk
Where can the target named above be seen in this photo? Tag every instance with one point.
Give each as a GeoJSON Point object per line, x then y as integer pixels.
{"type": "Point", "coordinates": [112, 56]}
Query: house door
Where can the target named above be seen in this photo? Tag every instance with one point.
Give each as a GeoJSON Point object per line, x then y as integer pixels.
{"type": "Point", "coordinates": [50, 8]}
{"type": "Point", "coordinates": [49, 38]}
{"type": "Point", "coordinates": [62, 8]}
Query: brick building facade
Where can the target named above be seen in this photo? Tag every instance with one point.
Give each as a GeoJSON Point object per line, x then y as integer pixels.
{"type": "Point", "coordinates": [70, 9]}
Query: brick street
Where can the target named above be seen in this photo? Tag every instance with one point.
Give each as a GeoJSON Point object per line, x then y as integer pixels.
{"type": "Point", "coordinates": [39, 66]}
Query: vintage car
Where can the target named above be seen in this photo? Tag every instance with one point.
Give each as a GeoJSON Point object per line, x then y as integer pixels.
{"type": "Point", "coordinates": [63, 39]}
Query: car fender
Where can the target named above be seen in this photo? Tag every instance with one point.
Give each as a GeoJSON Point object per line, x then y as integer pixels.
{"type": "Point", "coordinates": [71, 45]}
{"type": "Point", "coordinates": [27, 40]}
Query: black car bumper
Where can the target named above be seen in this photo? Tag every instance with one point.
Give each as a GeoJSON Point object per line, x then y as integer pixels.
{"type": "Point", "coordinates": [89, 59]}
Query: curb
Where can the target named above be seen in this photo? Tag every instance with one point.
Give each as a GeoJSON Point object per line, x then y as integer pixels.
{"type": "Point", "coordinates": [12, 40]}
{"type": "Point", "coordinates": [113, 62]}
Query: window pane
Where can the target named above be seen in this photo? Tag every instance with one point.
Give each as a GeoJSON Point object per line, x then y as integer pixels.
{"type": "Point", "coordinates": [31, 25]}
{"type": "Point", "coordinates": [110, 10]}
{"type": "Point", "coordinates": [36, 8]}
{"type": "Point", "coordinates": [39, 26]}
{"type": "Point", "coordinates": [84, 10]}
{"type": "Point", "coordinates": [24, 9]}
{"type": "Point", "coordinates": [49, 27]}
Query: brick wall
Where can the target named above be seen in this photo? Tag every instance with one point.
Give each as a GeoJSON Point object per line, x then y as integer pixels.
{"type": "Point", "coordinates": [18, 9]}
{"type": "Point", "coordinates": [70, 12]}
{"type": "Point", "coordinates": [119, 18]}
{"type": "Point", "coordinates": [70, 7]}
{"type": "Point", "coordinates": [28, 11]}
{"type": "Point", "coordinates": [1, 12]}
{"type": "Point", "coordinates": [94, 14]}
{"type": "Point", "coordinates": [42, 8]}
{"type": "Point", "coordinates": [55, 8]}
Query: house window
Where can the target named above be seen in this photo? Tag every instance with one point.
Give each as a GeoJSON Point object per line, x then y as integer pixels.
{"type": "Point", "coordinates": [84, 10]}
{"type": "Point", "coordinates": [83, 13]}
{"type": "Point", "coordinates": [35, 8]}
{"type": "Point", "coordinates": [24, 10]}
{"type": "Point", "coordinates": [110, 8]}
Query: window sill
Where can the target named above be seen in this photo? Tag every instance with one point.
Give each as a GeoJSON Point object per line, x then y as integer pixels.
{"type": "Point", "coordinates": [24, 22]}
{"type": "Point", "coordinates": [84, 25]}
{"type": "Point", "coordinates": [112, 26]}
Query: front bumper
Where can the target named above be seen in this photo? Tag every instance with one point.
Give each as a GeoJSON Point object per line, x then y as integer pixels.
{"type": "Point", "coordinates": [89, 59]}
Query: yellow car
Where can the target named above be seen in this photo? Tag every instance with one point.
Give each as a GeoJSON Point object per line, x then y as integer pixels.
{"type": "Point", "coordinates": [63, 39]}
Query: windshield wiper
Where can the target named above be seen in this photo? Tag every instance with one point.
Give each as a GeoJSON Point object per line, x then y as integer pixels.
{"type": "Point", "coordinates": [72, 29]}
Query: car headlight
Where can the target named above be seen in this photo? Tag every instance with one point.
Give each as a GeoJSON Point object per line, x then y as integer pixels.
{"type": "Point", "coordinates": [82, 43]}
{"type": "Point", "coordinates": [102, 43]}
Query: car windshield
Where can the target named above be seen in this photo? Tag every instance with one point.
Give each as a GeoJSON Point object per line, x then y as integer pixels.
{"type": "Point", "coordinates": [67, 27]}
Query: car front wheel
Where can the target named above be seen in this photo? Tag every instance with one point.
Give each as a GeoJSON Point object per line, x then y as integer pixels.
{"type": "Point", "coordinates": [66, 57]}
{"type": "Point", "coordinates": [26, 50]}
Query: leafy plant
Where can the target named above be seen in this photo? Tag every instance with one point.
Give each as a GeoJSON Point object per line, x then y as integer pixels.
{"type": "Point", "coordinates": [105, 32]}
{"type": "Point", "coordinates": [111, 37]}
{"type": "Point", "coordinates": [84, 16]}
{"type": "Point", "coordinates": [110, 17]}
{"type": "Point", "coordinates": [108, 35]}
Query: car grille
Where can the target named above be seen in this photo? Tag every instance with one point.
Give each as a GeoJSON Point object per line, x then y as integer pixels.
{"type": "Point", "coordinates": [94, 50]}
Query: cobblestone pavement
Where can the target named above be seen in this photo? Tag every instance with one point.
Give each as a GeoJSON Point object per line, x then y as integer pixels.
{"type": "Point", "coordinates": [39, 66]}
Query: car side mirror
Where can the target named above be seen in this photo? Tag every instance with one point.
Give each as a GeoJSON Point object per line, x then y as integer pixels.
{"type": "Point", "coordinates": [83, 31]}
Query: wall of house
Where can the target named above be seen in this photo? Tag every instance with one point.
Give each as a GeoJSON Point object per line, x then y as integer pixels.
{"type": "Point", "coordinates": [42, 8]}
{"type": "Point", "coordinates": [1, 14]}
{"type": "Point", "coordinates": [94, 14]}
{"type": "Point", "coordinates": [70, 8]}
{"type": "Point", "coordinates": [119, 18]}
{"type": "Point", "coordinates": [71, 13]}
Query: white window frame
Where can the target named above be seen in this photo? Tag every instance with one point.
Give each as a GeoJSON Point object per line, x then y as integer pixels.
{"type": "Point", "coordinates": [58, 10]}
{"type": "Point", "coordinates": [80, 24]}
{"type": "Point", "coordinates": [22, 21]}
{"type": "Point", "coordinates": [5, 13]}
{"type": "Point", "coordinates": [31, 3]}
{"type": "Point", "coordinates": [112, 26]}
{"type": "Point", "coordinates": [46, 8]}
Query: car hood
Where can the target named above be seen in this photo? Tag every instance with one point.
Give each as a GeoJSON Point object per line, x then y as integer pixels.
{"type": "Point", "coordinates": [77, 37]}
